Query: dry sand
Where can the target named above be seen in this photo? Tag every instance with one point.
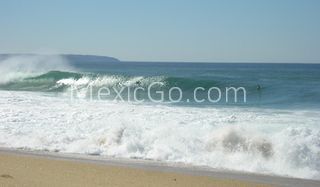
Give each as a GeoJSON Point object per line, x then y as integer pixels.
{"type": "Point", "coordinates": [26, 170]}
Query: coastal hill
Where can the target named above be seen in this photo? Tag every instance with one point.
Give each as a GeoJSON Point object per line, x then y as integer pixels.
{"type": "Point", "coordinates": [71, 57]}
{"type": "Point", "coordinates": [89, 58]}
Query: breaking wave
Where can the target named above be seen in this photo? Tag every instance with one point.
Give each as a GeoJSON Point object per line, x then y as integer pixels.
{"type": "Point", "coordinates": [64, 79]}
{"type": "Point", "coordinates": [270, 141]}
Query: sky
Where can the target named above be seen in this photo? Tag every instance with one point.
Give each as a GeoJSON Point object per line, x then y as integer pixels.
{"type": "Point", "coordinates": [165, 30]}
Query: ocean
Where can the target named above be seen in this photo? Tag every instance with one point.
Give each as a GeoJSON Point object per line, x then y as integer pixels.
{"type": "Point", "coordinates": [72, 107]}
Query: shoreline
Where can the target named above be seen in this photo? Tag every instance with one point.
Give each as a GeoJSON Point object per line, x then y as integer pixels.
{"type": "Point", "coordinates": [152, 168]}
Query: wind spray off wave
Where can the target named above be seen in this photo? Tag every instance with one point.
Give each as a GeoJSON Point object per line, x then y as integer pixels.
{"type": "Point", "coordinates": [17, 67]}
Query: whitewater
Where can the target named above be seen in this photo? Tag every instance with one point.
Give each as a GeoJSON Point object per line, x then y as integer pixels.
{"type": "Point", "coordinates": [254, 140]}
{"type": "Point", "coordinates": [271, 135]}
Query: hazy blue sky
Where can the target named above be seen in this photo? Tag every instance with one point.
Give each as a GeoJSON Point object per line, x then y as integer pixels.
{"type": "Point", "coordinates": [165, 30]}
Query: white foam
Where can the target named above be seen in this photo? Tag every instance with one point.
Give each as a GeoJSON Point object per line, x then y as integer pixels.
{"type": "Point", "coordinates": [280, 142]}
{"type": "Point", "coordinates": [109, 80]}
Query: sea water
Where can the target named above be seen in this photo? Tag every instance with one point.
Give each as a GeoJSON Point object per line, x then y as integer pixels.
{"type": "Point", "coordinates": [275, 131]}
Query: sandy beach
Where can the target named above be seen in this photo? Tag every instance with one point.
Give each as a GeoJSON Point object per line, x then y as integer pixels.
{"type": "Point", "coordinates": [20, 168]}
{"type": "Point", "coordinates": [26, 170]}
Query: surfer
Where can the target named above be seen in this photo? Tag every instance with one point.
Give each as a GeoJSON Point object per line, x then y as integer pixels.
{"type": "Point", "coordinates": [138, 83]}
{"type": "Point", "coordinates": [258, 87]}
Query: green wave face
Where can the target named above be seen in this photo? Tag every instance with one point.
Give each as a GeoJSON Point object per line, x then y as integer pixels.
{"type": "Point", "coordinates": [55, 75]}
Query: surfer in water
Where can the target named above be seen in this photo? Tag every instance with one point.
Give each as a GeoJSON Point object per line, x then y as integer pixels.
{"type": "Point", "coordinates": [138, 83]}
{"type": "Point", "coordinates": [258, 87]}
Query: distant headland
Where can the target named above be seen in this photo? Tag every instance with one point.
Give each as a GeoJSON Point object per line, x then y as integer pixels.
{"type": "Point", "coordinates": [69, 57]}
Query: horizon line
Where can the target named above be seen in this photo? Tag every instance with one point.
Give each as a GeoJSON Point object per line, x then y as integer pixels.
{"type": "Point", "coordinates": [169, 61]}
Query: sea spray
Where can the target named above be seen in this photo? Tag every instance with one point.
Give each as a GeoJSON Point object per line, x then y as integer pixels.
{"type": "Point", "coordinates": [17, 67]}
